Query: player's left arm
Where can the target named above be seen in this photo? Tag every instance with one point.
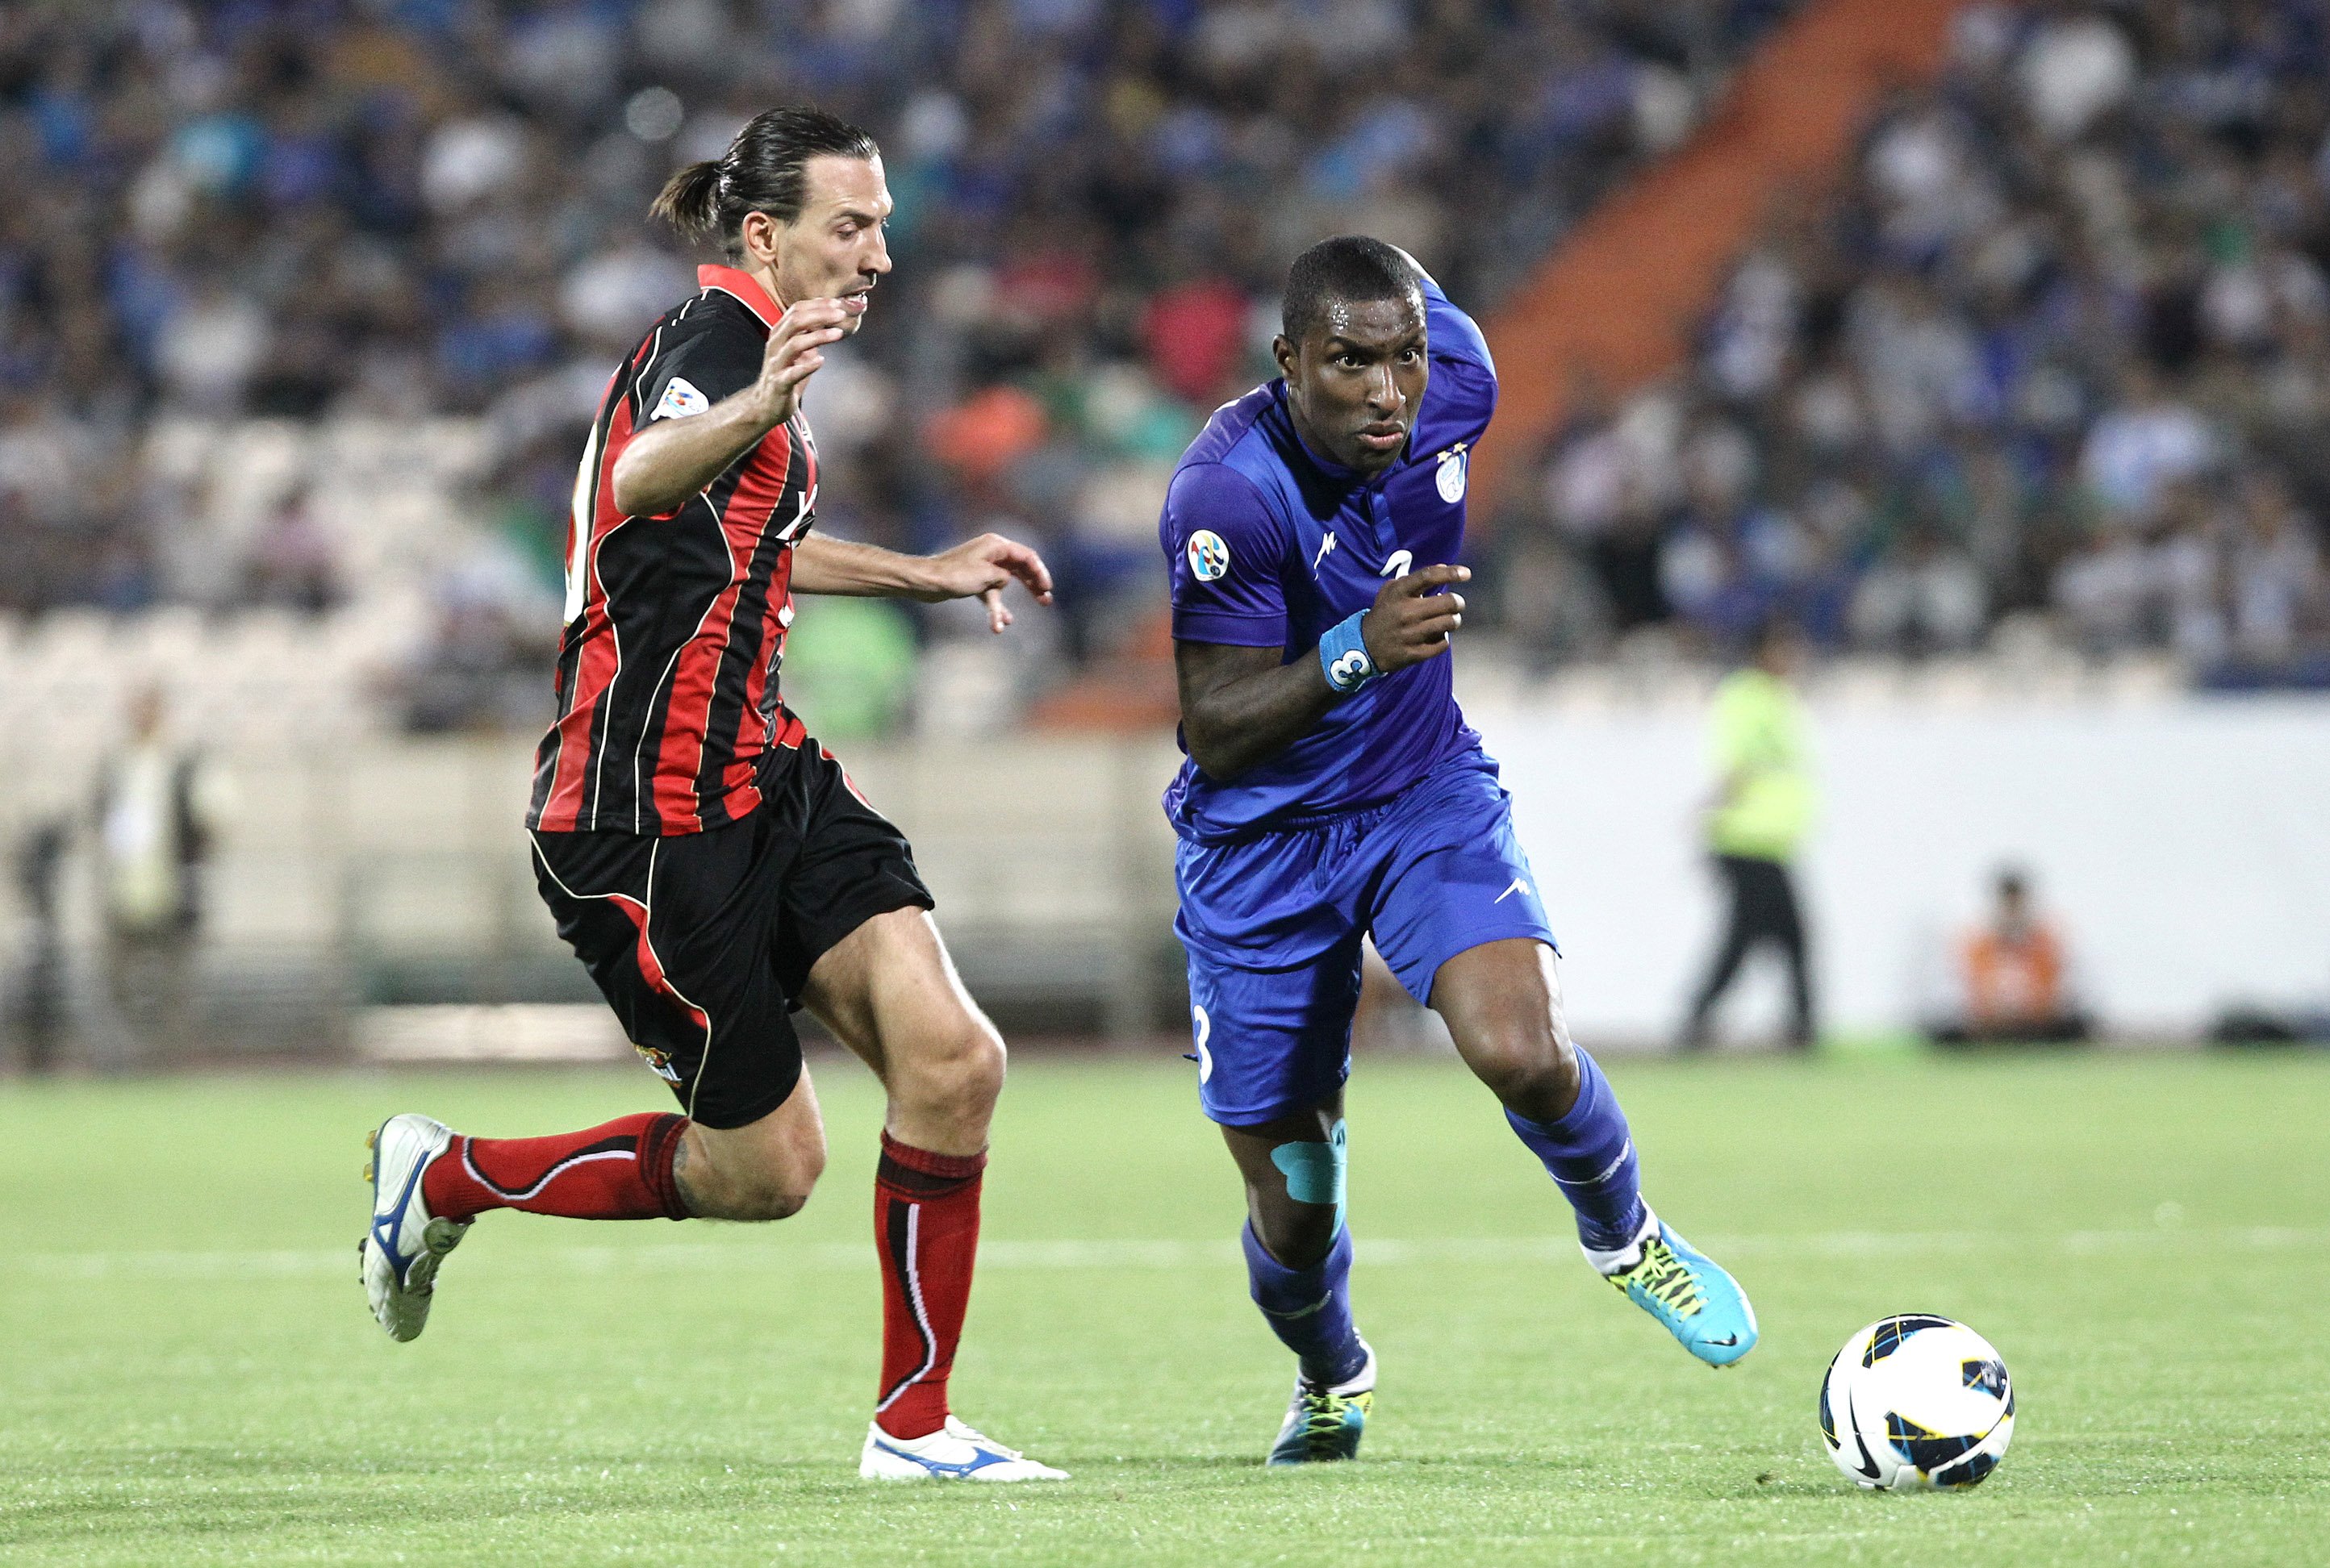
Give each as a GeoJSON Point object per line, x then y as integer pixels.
{"type": "Point", "coordinates": [978, 568]}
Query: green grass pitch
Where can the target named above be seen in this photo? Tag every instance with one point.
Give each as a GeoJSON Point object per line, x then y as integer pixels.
{"type": "Point", "coordinates": [189, 1374]}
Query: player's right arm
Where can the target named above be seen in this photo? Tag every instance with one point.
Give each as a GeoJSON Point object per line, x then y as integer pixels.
{"type": "Point", "coordinates": [1243, 699]}
{"type": "Point", "coordinates": [672, 457]}
{"type": "Point", "coordinates": [1242, 706]}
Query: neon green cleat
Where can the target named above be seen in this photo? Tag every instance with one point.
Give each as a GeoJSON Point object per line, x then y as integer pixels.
{"type": "Point", "coordinates": [1689, 1292]}
{"type": "Point", "coordinates": [1326, 1423]}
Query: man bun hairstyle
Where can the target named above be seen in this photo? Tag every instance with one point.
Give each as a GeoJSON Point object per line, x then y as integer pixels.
{"type": "Point", "coordinates": [764, 170]}
{"type": "Point", "coordinates": [1351, 268]}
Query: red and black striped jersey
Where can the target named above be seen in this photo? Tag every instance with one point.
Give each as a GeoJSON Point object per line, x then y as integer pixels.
{"type": "Point", "coordinates": [675, 624]}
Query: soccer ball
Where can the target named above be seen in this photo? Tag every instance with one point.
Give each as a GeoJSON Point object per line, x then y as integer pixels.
{"type": "Point", "coordinates": [1917, 1401]}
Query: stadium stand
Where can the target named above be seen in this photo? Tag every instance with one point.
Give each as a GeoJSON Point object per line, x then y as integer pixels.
{"type": "Point", "coordinates": [2052, 356]}
{"type": "Point", "coordinates": [328, 217]}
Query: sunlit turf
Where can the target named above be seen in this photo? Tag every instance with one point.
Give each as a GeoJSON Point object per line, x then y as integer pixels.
{"type": "Point", "coordinates": [189, 1372]}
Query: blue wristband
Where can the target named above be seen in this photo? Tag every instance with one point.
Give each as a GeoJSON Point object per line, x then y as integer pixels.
{"type": "Point", "coordinates": [1343, 655]}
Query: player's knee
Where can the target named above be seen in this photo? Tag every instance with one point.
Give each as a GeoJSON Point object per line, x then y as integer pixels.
{"type": "Point", "coordinates": [1298, 1235]}
{"type": "Point", "coordinates": [780, 1189]}
{"type": "Point", "coordinates": [1530, 1067]}
{"type": "Point", "coordinates": [962, 1073]}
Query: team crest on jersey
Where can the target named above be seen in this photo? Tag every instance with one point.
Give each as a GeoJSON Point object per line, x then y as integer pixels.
{"type": "Point", "coordinates": [1209, 556]}
{"type": "Point", "coordinates": [680, 401]}
{"type": "Point", "coordinates": [1451, 477]}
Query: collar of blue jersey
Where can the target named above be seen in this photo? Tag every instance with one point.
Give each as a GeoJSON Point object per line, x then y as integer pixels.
{"type": "Point", "coordinates": [744, 287]}
{"type": "Point", "coordinates": [1328, 465]}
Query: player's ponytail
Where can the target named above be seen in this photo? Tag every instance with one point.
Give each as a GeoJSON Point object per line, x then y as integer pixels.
{"type": "Point", "coordinates": [763, 171]}
{"type": "Point", "coordinates": [689, 201]}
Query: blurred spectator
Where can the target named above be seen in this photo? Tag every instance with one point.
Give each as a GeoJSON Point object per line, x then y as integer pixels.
{"type": "Point", "coordinates": [293, 562]}
{"type": "Point", "coordinates": [486, 660]}
{"type": "Point", "coordinates": [36, 994]}
{"type": "Point", "coordinates": [158, 808]}
{"type": "Point", "coordinates": [2013, 976]}
{"type": "Point", "coordinates": [1762, 808]}
{"type": "Point", "coordinates": [849, 668]}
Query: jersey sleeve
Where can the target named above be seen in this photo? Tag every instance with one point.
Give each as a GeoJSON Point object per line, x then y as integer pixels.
{"type": "Point", "coordinates": [1461, 397]}
{"type": "Point", "coordinates": [689, 376]}
{"type": "Point", "coordinates": [1224, 549]}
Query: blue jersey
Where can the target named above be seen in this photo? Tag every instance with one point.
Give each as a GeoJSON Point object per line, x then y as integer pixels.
{"type": "Point", "coordinates": [1269, 544]}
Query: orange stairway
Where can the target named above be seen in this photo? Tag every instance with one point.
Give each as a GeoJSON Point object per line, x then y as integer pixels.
{"type": "Point", "coordinates": [1619, 298]}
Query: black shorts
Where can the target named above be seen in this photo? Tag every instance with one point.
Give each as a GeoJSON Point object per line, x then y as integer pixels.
{"type": "Point", "coordinates": [702, 941]}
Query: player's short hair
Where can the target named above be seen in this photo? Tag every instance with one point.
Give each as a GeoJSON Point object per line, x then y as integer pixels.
{"type": "Point", "coordinates": [764, 170]}
{"type": "Point", "coordinates": [1350, 269]}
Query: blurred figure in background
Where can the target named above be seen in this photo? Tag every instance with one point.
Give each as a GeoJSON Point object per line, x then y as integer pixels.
{"type": "Point", "coordinates": [37, 1000]}
{"type": "Point", "coordinates": [157, 808]}
{"type": "Point", "coordinates": [1763, 804]}
{"type": "Point", "coordinates": [2013, 976]}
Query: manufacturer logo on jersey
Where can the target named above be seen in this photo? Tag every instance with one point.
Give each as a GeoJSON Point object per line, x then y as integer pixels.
{"type": "Point", "coordinates": [680, 401]}
{"type": "Point", "coordinates": [1398, 563]}
{"type": "Point", "coordinates": [1209, 556]}
{"type": "Point", "coordinates": [1451, 476]}
{"type": "Point", "coordinates": [1326, 548]}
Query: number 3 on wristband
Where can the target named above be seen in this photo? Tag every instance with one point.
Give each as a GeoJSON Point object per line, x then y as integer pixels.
{"type": "Point", "coordinates": [1343, 655]}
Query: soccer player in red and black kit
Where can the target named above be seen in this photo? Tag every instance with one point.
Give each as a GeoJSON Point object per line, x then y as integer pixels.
{"type": "Point", "coordinates": [711, 866]}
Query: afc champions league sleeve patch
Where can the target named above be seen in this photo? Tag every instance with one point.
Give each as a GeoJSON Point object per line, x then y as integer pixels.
{"type": "Point", "coordinates": [1451, 477]}
{"type": "Point", "coordinates": [1209, 556]}
{"type": "Point", "coordinates": [681, 400]}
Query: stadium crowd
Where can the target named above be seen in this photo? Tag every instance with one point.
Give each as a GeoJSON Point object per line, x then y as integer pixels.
{"type": "Point", "coordinates": [2056, 347]}
{"type": "Point", "coordinates": [307, 208]}
{"type": "Point", "coordinates": [2060, 344]}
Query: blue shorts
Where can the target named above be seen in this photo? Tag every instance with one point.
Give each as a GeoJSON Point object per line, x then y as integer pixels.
{"type": "Point", "coordinates": [1272, 925]}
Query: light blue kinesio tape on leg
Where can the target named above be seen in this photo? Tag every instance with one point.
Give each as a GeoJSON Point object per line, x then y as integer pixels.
{"type": "Point", "coordinates": [1314, 1171]}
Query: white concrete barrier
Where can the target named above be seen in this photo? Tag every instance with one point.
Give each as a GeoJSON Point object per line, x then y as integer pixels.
{"type": "Point", "coordinates": [2182, 843]}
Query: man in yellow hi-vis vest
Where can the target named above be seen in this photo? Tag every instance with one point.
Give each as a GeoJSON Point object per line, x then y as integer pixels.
{"type": "Point", "coordinates": [1762, 806]}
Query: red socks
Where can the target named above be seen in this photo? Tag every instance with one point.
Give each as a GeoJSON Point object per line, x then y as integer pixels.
{"type": "Point", "coordinates": [926, 1229]}
{"type": "Point", "coordinates": [620, 1171]}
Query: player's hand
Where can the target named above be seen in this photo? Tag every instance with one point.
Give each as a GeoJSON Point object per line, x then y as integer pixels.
{"type": "Point", "coordinates": [792, 355]}
{"type": "Point", "coordinates": [1414, 616]}
{"type": "Point", "coordinates": [980, 569]}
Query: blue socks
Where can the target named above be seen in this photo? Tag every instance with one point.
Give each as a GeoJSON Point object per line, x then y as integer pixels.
{"type": "Point", "coordinates": [1591, 1155]}
{"type": "Point", "coordinates": [1310, 1309]}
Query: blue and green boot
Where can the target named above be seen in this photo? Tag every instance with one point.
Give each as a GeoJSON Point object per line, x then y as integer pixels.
{"type": "Point", "coordinates": [1325, 1423]}
{"type": "Point", "coordinates": [1686, 1290]}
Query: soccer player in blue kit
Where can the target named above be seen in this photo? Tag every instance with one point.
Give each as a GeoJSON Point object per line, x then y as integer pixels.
{"type": "Point", "coordinates": [1333, 791]}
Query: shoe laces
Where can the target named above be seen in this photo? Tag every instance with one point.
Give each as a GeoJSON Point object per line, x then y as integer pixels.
{"type": "Point", "coordinates": [973, 1435]}
{"type": "Point", "coordinates": [1323, 1417]}
{"type": "Point", "coordinates": [1665, 1278]}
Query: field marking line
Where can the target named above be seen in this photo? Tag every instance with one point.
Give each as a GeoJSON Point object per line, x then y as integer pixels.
{"type": "Point", "coordinates": [1132, 1253]}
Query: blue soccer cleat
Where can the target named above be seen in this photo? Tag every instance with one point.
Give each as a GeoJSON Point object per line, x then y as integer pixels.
{"type": "Point", "coordinates": [1691, 1294]}
{"type": "Point", "coordinates": [1325, 1423]}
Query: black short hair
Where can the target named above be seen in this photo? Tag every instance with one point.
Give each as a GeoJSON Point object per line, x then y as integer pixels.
{"type": "Point", "coordinates": [1351, 269]}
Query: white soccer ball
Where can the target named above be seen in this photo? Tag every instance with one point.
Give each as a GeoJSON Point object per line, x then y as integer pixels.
{"type": "Point", "coordinates": [1917, 1401]}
